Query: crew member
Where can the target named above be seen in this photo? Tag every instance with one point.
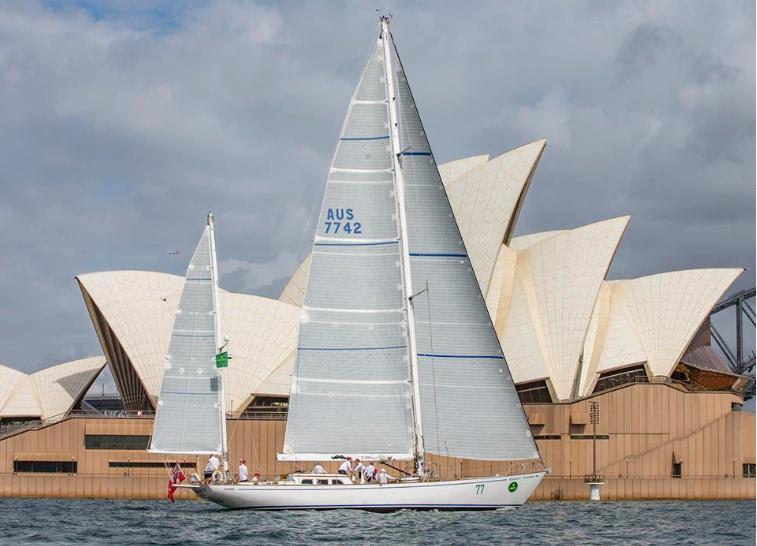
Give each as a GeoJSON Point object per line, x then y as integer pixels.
{"type": "Point", "coordinates": [318, 469]}
{"type": "Point", "coordinates": [384, 478]}
{"type": "Point", "coordinates": [369, 473]}
{"type": "Point", "coordinates": [215, 463]}
{"type": "Point", "coordinates": [346, 467]}
{"type": "Point", "coordinates": [243, 472]}
{"type": "Point", "coordinates": [358, 469]}
{"type": "Point", "coordinates": [209, 469]}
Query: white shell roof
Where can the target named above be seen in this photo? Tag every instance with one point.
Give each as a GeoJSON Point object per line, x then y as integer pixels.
{"type": "Point", "coordinates": [294, 291]}
{"type": "Point", "coordinates": [556, 316]}
{"type": "Point", "coordinates": [48, 393]}
{"type": "Point", "coordinates": [557, 280]}
{"type": "Point", "coordinates": [652, 319]}
{"type": "Point", "coordinates": [486, 200]}
{"type": "Point", "coordinates": [453, 169]}
{"type": "Point", "coordinates": [139, 307]}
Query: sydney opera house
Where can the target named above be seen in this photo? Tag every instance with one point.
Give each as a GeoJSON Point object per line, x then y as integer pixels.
{"type": "Point", "coordinates": [632, 354]}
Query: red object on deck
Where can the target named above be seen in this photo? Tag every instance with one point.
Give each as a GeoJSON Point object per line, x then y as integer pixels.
{"type": "Point", "coordinates": [177, 476]}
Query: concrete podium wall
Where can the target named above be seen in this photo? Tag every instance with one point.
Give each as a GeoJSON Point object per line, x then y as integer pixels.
{"type": "Point", "coordinates": [643, 429]}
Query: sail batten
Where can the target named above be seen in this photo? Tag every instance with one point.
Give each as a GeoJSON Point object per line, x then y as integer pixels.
{"type": "Point", "coordinates": [188, 416]}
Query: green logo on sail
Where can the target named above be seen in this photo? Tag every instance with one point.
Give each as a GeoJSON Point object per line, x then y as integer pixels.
{"type": "Point", "coordinates": [222, 360]}
{"type": "Point", "coordinates": [513, 487]}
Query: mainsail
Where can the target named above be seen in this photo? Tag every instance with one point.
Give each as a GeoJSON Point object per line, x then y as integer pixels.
{"type": "Point", "coordinates": [397, 351]}
{"type": "Point", "coordinates": [350, 390]}
{"type": "Point", "coordinates": [190, 417]}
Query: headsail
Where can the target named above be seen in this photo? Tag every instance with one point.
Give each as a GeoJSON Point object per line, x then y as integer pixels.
{"type": "Point", "coordinates": [190, 417]}
{"type": "Point", "coordinates": [468, 401]}
{"type": "Point", "coordinates": [350, 389]}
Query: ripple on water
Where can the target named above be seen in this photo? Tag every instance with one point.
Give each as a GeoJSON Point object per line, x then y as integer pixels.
{"type": "Point", "coordinates": [57, 521]}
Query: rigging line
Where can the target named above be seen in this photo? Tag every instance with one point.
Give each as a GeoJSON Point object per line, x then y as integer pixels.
{"type": "Point", "coordinates": [433, 370]}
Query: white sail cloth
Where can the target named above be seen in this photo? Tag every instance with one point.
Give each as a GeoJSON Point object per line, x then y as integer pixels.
{"type": "Point", "coordinates": [350, 391]}
{"type": "Point", "coordinates": [469, 405]}
{"type": "Point", "coordinates": [188, 412]}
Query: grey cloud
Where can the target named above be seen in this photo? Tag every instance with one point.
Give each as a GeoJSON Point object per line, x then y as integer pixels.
{"type": "Point", "coordinates": [120, 126]}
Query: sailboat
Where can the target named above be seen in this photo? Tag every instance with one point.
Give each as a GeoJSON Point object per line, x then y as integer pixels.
{"type": "Point", "coordinates": [397, 356]}
{"type": "Point", "coordinates": [190, 417]}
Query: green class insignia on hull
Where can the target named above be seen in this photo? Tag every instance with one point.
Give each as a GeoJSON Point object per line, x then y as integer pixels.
{"type": "Point", "coordinates": [513, 487]}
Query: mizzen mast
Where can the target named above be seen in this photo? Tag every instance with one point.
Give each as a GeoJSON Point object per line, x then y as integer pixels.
{"type": "Point", "coordinates": [407, 284]}
{"type": "Point", "coordinates": [219, 341]}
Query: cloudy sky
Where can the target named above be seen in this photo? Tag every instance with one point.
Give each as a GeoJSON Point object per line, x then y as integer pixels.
{"type": "Point", "coordinates": [122, 123]}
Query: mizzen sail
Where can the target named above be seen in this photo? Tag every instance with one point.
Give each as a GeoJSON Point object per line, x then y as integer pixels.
{"type": "Point", "coordinates": [350, 392]}
{"type": "Point", "coordinates": [189, 416]}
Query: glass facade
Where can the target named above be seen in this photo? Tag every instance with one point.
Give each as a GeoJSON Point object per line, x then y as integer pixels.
{"type": "Point", "coordinates": [48, 467]}
{"type": "Point", "coordinates": [116, 441]}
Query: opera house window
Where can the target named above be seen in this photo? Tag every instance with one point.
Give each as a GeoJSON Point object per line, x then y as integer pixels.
{"type": "Point", "coordinates": [49, 467]}
{"type": "Point", "coordinates": [749, 470]}
{"type": "Point", "coordinates": [116, 441]}
{"type": "Point", "coordinates": [148, 464]}
{"type": "Point", "coordinates": [676, 473]}
{"type": "Point", "coordinates": [534, 392]}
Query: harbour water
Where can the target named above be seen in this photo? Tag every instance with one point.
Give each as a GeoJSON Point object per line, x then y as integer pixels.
{"type": "Point", "coordinates": [55, 521]}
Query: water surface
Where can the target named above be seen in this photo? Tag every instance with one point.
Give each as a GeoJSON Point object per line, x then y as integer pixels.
{"type": "Point", "coordinates": [58, 521]}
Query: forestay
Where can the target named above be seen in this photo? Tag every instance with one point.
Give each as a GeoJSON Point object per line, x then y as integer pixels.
{"type": "Point", "coordinates": [189, 416]}
{"type": "Point", "coordinates": [350, 392]}
{"type": "Point", "coordinates": [469, 405]}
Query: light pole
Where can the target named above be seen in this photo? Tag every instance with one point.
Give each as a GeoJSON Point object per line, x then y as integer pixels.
{"type": "Point", "coordinates": [594, 481]}
{"type": "Point", "coordinates": [594, 419]}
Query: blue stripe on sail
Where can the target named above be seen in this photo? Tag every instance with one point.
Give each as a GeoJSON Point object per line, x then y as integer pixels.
{"type": "Point", "coordinates": [416, 153]}
{"type": "Point", "coordinates": [353, 348]}
{"type": "Point", "coordinates": [495, 357]}
{"type": "Point", "coordinates": [437, 255]}
{"type": "Point", "coordinates": [366, 138]}
{"type": "Point", "coordinates": [357, 244]}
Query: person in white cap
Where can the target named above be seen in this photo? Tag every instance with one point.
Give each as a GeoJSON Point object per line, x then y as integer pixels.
{"type": "Point", "coordinates": [384, 478]}
{"type": "Point", "coordinates": [346, 467]}
{"type": "Point", "coordinates": [318, 469]}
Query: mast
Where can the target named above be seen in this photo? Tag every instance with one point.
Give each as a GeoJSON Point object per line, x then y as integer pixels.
{"type": "Point", "coordinates": [407, 285]}
{"type": "Point", "coordinates": [219, 343]}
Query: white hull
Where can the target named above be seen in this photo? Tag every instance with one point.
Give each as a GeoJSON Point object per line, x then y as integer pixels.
{"type": "Point", "coordinates": [470, 494]}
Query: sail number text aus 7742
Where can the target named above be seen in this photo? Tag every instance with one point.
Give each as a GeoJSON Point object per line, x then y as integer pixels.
{"type": "Point", "coordinates": [341, 221]}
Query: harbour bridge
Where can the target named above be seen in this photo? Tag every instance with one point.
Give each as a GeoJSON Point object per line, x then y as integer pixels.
{"type": "Point", "coordinates": [739, 361]}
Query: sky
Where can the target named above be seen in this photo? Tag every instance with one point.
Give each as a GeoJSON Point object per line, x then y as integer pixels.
{"type": "Point", "coordinates": [122, 123]}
